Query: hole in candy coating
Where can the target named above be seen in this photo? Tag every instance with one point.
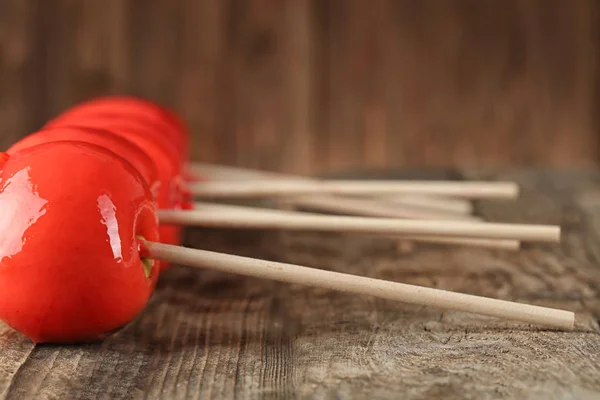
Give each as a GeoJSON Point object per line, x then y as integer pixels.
{"type": "Point", "coordinates": [146, 262]}
{"type": "Point", "coordinates": [146, 229]}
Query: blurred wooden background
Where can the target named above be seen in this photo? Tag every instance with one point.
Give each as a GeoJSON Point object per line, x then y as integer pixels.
{"type": "Point", "coordinates": [312, 86]}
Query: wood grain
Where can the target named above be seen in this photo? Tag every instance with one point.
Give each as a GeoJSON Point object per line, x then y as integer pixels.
{"type": "Point", "coordinates": [307, 86]}
{"type": "Point", "coordinates": [203, 45]}
{"type": "Point", "coordinates": [210, 335]}
{"type": "Point", "coordinates": [257, 37]}
{"type": "Point", "coordinates": [299, 122]}
{"type": "Point", "coordinates": [16, 79]}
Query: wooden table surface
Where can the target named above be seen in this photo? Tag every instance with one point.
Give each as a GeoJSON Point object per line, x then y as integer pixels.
{"type": "Point", "coordinates": [211, 335]}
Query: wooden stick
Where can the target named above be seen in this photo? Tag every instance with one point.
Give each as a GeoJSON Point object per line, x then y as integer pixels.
{"type": "Point", "coordinates": [234, 211]}
{"type": "Point", "coordinates": [229, 173]}
{"type": "Point", "coordinates": [296, 274]}
{"type": "Point", "coordinates": [337, 204]}
{"type": "Point", "coordinates": [209, 216]}
{"type": "Point", "coordinates": [262, 188]}
{"type": "Point", "coordinates": [500, 244]}
{"type": "Point", "coordinates": [450, 205]}
{"type": "Point", "coordinates": [378, 208]}
{"type": "Point", "coordinates": [369, 208]}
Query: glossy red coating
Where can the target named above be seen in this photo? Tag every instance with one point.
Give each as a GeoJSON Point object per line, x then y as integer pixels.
{"type": "Point", "coordinates": [117, 123]}
{"type": "Point", "coordinates": [70, 270]}
{"type": "Point", "coordinates": [166, 121]}
{"type": "Point", "coordinates": [117, 144]}
{"type": "Point", "coordinates": [167, 166]}
{"type": "Point", "coordinates": [172, 194]}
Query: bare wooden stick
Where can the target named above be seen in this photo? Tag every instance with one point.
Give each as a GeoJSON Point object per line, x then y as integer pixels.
{"type": "Point", "coordinates": [262, 188]}
{"type": "Point", "coordinates": [226, 172]}
{"type": "Point", "coordinates": [340, 204]}
{"type": "Point", "coordinates": [209, 216]}
{"type": "Point", "coordinates": [369, 207]}
{"type": "Point", "coordinates": [235, 212]}
{"type": "Point", "coordinates": [378, 208]}
{"type": "Point", "coordinates": [296, 274]}
{"type": "Point", "coordinates": [239, 212]}
{"type": "Point", "coordinates": [450, 205]}
{"type": "Point", "coordinates": [500, 244]}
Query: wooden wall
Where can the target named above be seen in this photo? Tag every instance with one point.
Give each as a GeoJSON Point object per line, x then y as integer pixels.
{"type": "Point", "coordinates": [308, 86]}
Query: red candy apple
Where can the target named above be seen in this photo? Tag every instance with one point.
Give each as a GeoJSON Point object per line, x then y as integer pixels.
{"type": "Point", "coordinates": [122, 123]}
{"type": "Point", "coordinates": [169, 126]}
{"type": "Point", "coordinates": [115, 143]}
{"type": "Point", "coordinates": [70, 267]}
{"type": "Point", "coordinates": [172, 194]}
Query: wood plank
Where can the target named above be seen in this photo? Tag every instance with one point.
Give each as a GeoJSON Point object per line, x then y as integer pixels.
{"type": "Point", "coordinates": [298, 45]}
{"type": "Point", "coordinates": [118, 46]}
{"type": "Point", "coordinates": [210, 335]}
{"type": "Point", "coordinates": [316, 86]}
{"type": "Point", "coordinates": [256, 44]}
{"type": "Point", "coordinates": [346, 69]}
{"type": "Point", "coordinates": [200, 80]}
{"type": "Point", "coordinates": [321, 85]}
{"type": "Point", "coordinates": [227, 109]}
{"type": "Point", "coordinates": [98, 56]}
{"type": "Point", "coordinates": [405, 107]}
{"type": "Point", "coordinates": [374, 115]}
{"type": "Point", "coordinates": [59, 22]}
{"type": "Point", "coordinates": [17, 79]}
{"type": "Point", "coordinates": [372, 348]}
{"type": "Point", "coordinates": [573, 95]}
{"type": "Point", "coordinates": [14, 350]}
{"type": "Point", "coordinates": [155, 44]}
{"type": "Point", "coordinates": [472, 83]}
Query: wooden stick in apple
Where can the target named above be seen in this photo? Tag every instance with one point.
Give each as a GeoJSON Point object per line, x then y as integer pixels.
{"type": "Point", "coordinates": [237, 215]}
{"type": "Point", "coordinates": [297, 274]}
{"type": "Point", "coordinates": [240, 217]}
